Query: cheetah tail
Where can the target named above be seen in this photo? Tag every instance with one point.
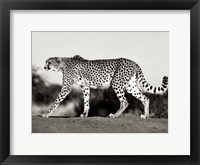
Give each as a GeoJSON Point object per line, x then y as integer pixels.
{"type": "Point", "coordinates": [146, 87]}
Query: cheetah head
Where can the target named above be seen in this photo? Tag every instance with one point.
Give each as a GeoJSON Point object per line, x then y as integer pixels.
{"type": "Point", "coordinates": [54, 64]}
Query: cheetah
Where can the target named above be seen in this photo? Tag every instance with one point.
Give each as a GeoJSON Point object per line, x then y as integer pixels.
{"type": "Point", "coordinates": [121, 74]}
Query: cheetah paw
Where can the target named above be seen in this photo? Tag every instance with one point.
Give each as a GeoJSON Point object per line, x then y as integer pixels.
{"type": "Point", "coordinates": [112, 116]}
{"type": "Point", "coordinates": [83, 115]}
{"type": "Point", "coordinates": [143, 116]}
{"type": "Point", "coordinates": [44, 115]}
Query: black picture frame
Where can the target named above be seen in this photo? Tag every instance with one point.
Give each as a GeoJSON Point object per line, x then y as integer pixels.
{"type": "Point", "coordinates": [7, 5]}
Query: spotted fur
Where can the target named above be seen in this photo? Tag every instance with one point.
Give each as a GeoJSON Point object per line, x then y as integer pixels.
{"type": "Point", "coordinates": [122, 74]}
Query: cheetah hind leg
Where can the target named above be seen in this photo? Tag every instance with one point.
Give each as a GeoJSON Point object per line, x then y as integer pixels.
{"type": "Point", "coordinates": [133, 89]}
{"type": "Point", "coordinates": [123, 104]}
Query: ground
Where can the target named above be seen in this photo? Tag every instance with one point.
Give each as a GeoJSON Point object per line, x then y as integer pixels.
{"type": "Point", "coordinates": [98, 125]}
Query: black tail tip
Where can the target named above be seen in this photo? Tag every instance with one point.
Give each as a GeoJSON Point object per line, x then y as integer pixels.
{"type": "Point", "coordinates": [165, 82]}
{"type": "Point", "coordinates": [165, 78]}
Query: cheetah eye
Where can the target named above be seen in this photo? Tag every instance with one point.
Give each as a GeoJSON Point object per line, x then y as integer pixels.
{"type": "Point", "coordinates": [49, 62]}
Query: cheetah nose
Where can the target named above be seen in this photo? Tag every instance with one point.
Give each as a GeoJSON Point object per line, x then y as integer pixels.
{"type": "Point", "coordinates": [45, 67]}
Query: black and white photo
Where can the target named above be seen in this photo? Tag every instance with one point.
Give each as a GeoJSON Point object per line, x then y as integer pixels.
{"type": "Point", "coordinates": [100, 82]}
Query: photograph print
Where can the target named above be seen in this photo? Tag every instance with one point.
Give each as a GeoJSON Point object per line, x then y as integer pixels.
{"type": "Point", "coordinates": [100, 81]}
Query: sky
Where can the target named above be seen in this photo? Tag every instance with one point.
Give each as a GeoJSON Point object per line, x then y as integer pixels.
{"type": "Point", "coordinates": [148, 49]}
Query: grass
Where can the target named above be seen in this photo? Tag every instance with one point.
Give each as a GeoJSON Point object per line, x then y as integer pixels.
{"type": "Point", "coordinates": [127, 124]}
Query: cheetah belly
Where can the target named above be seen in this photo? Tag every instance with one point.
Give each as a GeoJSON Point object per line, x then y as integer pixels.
{"type": "Point", "coordinates": [93, 86]}
{"type": "Point", "coordinates": [102, 83]}
{"type": "Point", "coordinates": [105, 85]}
{"type": "Point", "coordinates": [101, 86]}
{"type": "Point", "coordinates": [81, 82]}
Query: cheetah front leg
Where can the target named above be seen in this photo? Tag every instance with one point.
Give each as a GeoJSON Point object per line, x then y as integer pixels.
{"type": "Point", "coordinates": [63, 93]}
{"type": "Point", "coordinates": [86, 97]}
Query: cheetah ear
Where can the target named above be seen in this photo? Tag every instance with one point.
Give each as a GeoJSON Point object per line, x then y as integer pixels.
{"type": "Point", "coordinates": [58, 59]}
{"type": "Point", "coordinates": [78, 57]}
